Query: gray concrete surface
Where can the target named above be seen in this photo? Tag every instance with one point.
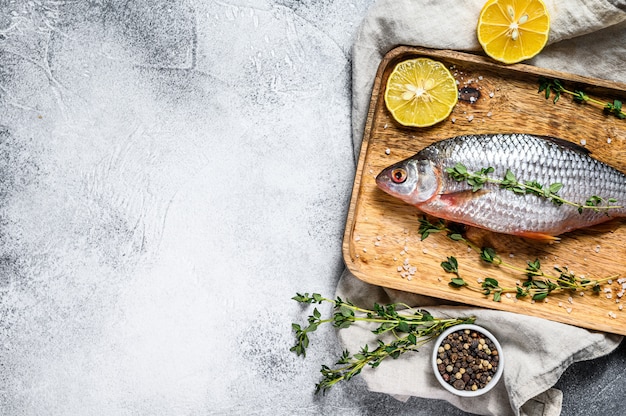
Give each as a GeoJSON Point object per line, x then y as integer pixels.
{"type": "Point", "coordinates": [171, 173]}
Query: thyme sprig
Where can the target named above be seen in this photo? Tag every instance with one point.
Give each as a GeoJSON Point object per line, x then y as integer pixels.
{"type": "Point", "coordinates": [411, 328]}
{"type": "Point", "coordinates": [538, 284]}
{"type": "Point", "coordinates": [556, 88]}
{"type": "Point", "coordinates": [478, 179]}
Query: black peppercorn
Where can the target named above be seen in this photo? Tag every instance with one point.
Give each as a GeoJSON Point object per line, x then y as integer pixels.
{"type": "Point", "coordinates": [469, 360]}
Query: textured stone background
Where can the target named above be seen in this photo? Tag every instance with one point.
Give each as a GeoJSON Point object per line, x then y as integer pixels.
{"type": "Point", "coordinates": [171, 173]}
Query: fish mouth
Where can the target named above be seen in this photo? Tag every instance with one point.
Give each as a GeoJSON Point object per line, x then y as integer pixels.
{"type": "Point", "coordinates": [383, 180]}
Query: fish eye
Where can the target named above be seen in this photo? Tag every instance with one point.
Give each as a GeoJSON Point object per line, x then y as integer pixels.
{"type": "Point", "coordinates": [398, 175]}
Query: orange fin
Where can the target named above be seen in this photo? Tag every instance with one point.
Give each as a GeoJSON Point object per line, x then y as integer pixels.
{"type": "Point", "coordinates": [546, 238]}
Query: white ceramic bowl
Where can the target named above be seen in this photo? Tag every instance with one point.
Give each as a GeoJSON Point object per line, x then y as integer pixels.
{"type": "Point", "coordinates": [495, 378]}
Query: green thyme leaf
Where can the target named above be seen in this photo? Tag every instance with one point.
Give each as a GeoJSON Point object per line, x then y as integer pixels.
{"type": "Point", "coordinates": [457, 282]}
{"type": "Point", "coordinates": [451, 265]}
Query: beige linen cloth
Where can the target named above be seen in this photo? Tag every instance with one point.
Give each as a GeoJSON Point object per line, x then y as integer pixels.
{"type": "Point", "coordinates": [587, 37]}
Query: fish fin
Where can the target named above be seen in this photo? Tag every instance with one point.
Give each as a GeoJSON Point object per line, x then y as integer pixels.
{"type": "Point", "coordinates": [567, 144]}
{"type": "Point", "coordinates": [456, 198]}
{"type": "Point", "coordinates": [545, 238]}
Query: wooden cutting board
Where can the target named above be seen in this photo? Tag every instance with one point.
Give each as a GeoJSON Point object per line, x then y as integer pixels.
{"type": "Point", "coordinates": [381, 234]}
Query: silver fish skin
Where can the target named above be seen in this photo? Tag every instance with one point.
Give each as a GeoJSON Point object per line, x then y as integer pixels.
{"type": "Point", "coordinates": [421, 180]}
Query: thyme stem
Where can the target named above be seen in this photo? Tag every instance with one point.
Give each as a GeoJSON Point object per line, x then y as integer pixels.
{"type": "Point", "coordinates": [509, 182]}
{"type": "Point", "coordinates": [411, 329]}
{"type": "Point", "coordinates": [555, 87]}
{"type": "Point", "coordinates": [538, 285]}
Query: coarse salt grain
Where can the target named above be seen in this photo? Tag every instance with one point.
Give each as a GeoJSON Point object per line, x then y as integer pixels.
{"type": "Point", "coordinates": [583, 142]}
{"type": "Point", "coordinates": [453, 120]}
{"type": "Point", "coordinates": [608, 140]}
{"type": "Point", "coordinates": [399, 268]}
{"type": "Point", "coordinates": [570, 300]}
{"type": "Point", "coordinates": [357, 238]}
{"type": "Point", "coordinates": [489, 114]}
{"type": "Point", "coordinates": [491, 94]}
{"type": "Point", "coordinates": [425, 251]}
{"type": "Point", "coordinates": [569, 310]}
{"type": "Point", "coordinates": [597, 249]}
{"type": "Point", "coordinates": [364, 250]}
{"type": "Point", "coordinates": [377, 243]}
{"type": "Point", "coordinates": [620, 307]}
{"type": "Point", "coordinates": [470, 118]}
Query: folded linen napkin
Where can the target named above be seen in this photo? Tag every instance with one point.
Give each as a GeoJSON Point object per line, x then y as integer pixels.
{"type": "Point", "coordinates": [587, 38]}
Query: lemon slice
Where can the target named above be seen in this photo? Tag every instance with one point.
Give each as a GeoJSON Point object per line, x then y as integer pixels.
{"type": "Point", "coordinates": [511, 31]}
{"type": "Point", "coordinates": [420, 92]}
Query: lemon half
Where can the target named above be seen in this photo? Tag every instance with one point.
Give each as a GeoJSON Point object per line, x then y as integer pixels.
{"type": "Point", "coordinates": [511, 31]}
{"type": "Point", "coordinates": [420, 92]}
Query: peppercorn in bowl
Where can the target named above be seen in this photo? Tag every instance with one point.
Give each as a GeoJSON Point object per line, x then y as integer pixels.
{"type": "Point", "coordinates": [467, 360]}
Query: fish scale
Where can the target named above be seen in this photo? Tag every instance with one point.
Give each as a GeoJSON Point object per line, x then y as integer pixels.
{"type": "Point", "coordinates": [546, 160]}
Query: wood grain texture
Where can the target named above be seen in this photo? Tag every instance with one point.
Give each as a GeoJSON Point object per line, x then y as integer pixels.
{"type": "Point", "coordinates": [381, 234]}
